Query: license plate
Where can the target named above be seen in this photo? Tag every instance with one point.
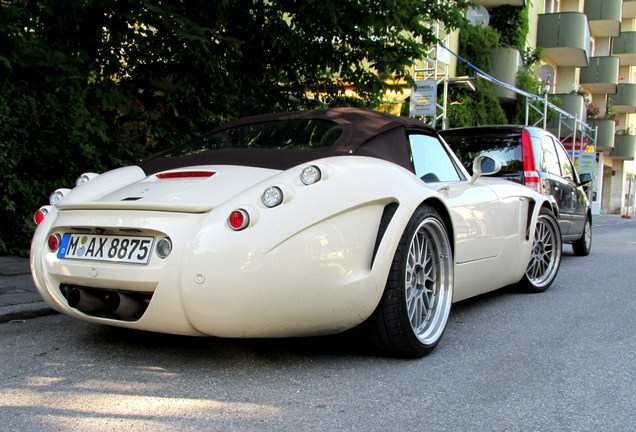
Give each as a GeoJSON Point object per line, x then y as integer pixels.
{"type": "Point", "coordinates": [95, 247]}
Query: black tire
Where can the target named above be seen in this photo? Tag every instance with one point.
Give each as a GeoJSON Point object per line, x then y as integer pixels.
{"type": "Point", "coordinates": [545, 258]}
{"type": "Point", "coordinates": [412, 315]}
{"type": "Point", "coordinates": [582, 246]}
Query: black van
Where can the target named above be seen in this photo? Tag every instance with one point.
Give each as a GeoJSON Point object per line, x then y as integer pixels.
{"type": "Point", "coordinates": [533, 157]}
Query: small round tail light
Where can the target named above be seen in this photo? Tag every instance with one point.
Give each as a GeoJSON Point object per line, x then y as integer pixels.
{"type": "Point", "coordinates": [272, 196]}
{"type": "Point", "coordinates": [58, 195]}
{"type": "Point", "coordinates": [238, 220]}
{"type": "Point", "coordinates": [54, 242]}
{"type": "Point", "coordinates": [310, 175]}
{"type": "Point", "coordinates": [40, 215]}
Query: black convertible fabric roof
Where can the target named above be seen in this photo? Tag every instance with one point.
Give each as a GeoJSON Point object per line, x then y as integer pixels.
{"type": "Point", "coordinates": [364, 132]}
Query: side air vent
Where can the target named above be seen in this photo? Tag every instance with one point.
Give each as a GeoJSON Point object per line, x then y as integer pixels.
{"type": "Point", "coordinates": [387, 216]}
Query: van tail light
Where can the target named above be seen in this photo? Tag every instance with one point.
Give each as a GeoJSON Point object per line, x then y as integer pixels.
{"type": "Point", "coordinates": [530, 174]}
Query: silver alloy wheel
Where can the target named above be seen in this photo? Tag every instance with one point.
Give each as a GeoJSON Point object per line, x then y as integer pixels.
{"type": "Point", "coordinates": [546, 252]}
{"type": "Point", "coordinates": [429, 280]}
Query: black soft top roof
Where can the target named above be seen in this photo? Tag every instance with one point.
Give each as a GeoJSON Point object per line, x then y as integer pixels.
{"type": "Point", "coordinates": [364, 132]}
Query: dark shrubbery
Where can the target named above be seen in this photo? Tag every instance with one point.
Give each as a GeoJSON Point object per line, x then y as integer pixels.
{"type": "Point", "coordinates": [90, 85]}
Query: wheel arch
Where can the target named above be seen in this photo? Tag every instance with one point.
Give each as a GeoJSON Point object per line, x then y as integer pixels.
{"type": "Point", "coordinates": [444, 213]}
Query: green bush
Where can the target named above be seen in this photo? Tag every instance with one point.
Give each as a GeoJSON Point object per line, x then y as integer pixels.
{"type": "Point", "coordinates": [33, 122]}
{"type": "Point", "coordinates": [511, 22]}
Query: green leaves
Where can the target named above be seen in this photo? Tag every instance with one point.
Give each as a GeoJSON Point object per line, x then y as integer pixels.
{"type": "Point", "coordinates": [92, 84]}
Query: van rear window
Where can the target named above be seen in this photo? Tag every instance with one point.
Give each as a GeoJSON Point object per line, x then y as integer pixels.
{"type": "Point", "coordinates": [502, 146]}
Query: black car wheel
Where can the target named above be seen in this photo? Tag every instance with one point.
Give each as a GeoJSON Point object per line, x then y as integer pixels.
{"type": "Point", "coordinates": [412, 315]}
{"type": "Point", "coordinates": [582, 246]}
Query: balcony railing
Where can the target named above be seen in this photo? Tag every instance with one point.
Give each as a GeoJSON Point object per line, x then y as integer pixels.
{"type": "Point", "coordinates": [604, 16]}
{"type": "Point", "coordinates": [601, 76]}
{"type": "Point", "coordinates": [565, 38]}
{"type": "Point", "coordinates": [624, 47]}
{"type": "Point", "coordinates": [624, 101]}
{"type": "Point", "coordinates": [573, 104]}
{"type": "Point", "coordinates": [624, 147]}
{"type": "Point", "coordinates": [606, 132]}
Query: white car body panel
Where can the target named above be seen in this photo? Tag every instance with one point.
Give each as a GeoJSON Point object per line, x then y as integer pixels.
{"type": "Point", "coordinates": [329, 256]}
{"type": "Point", "coordinates": [292, 272]}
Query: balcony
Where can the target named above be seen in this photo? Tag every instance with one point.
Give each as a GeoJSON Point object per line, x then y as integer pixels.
{"type": "Point", "coordinates": [573, 104]}
{"type": "Point", "coordinates": [606, 130]}
{"type": "Point", "coordinates": [505, 64]}
{"type": "Point", "coordinates": [601, 76]}
{"type": "Point", "coordinates": [624, 47]}
{"type": "Point", "coordinates": [624, 147]}
{"type": "Point", "coordinates": [605, 17]}
{"type": "Point", "coordinates": [624, 101]}
{"type": "Point", "coordinates": [565, 38]}
{"type": "Point", "coordinates": [494, 3]}
{"type": "Point", "coordinates": [629, 9]}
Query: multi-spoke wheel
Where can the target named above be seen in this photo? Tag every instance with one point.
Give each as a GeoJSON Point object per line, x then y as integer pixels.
{"type": "Point", "coordinates": [582, 246]}
{"type": "Point", "coordinates": [412, 315]}
{"type": "Point", "coordinates": [545, 258]}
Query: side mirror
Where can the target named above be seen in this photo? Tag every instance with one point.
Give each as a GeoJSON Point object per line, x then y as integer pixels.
{"type": "Point", "coordinates": [484, 165]}
{"type": "Point", "coordinates": [585, 179]}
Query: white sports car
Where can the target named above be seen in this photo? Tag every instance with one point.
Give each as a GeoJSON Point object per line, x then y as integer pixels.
{"type": "Point", "coordinates": [294, 224]}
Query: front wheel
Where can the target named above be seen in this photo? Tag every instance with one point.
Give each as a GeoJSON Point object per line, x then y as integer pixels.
{"type": "Point", "coordinates": [582, 246]}
{"type": "Point", "coordinates": [545, 258]}
{"type": "Point", "coordinates": [412, 315]}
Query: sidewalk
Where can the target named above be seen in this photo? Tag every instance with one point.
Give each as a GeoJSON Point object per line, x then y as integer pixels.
{"type": "Point", "coordinates": [20, 300]}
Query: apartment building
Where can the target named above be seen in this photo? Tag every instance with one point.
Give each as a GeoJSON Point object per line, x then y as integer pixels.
{"type": "Point", "coordinates": [588, 61]}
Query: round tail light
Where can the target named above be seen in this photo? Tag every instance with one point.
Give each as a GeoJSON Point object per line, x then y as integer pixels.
{"type": "Point", "coordinates": [238, 220]}
{"type": "Point", "coordinates": [54, 242]}
{"type": "Point", "coordinates": [40, 215]}
{"type": "Point", "coordinates": [164, 247]}
{"type": "Point", "coordinates": [310, 175]}
{"type": "Point", "coordinates": [272, 196]}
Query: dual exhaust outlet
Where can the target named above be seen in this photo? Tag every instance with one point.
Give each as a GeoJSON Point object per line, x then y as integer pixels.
{"type": "Point", "coordinates": [112, 304]}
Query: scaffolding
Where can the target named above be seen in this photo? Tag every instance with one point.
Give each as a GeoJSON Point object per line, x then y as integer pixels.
{"type": "Point", "coordinates": [569, 127]}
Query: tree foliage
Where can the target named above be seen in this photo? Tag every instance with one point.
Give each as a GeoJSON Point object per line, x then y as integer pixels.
{"type": "Point", "coordinates": [86, 85]}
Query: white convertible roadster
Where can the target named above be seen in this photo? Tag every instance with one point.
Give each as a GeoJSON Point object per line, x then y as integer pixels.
{"type": "Point", "coordinates": [294, 224]}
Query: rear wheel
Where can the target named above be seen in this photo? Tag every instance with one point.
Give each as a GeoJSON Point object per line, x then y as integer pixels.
{"type": "Point", "coordinates": [582, 246]}
{"type": "Point", "coordinates": [545, 258]}
{"type": "Point", "coordinates": [412, 315]}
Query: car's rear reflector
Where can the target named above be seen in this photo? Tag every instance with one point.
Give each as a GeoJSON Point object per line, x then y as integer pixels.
{"type": "Point", "coordinates": [238, 220]}
{"type": "Point", "coordinates": [40, 215]}
{"type": "Point", "coordinates": [185, 174]}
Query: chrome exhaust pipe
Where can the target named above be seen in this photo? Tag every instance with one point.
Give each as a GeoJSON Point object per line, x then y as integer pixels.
{"type": "Point", "coordinates": [84, 301]}
{"type": "Point", "coordinates": [124, 305]}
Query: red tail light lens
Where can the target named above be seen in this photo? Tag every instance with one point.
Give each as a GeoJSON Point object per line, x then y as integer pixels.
{"type": "Point", "coordinates": [530, 174]}
{"type": "Point", "coordinates": [238, 220]}
{"type": "Point", "coordinates": [185, 174]}
{"type": "Point", "coordinates": [54, 242]}
{"type": "Point", "coordinates": [40, 215]}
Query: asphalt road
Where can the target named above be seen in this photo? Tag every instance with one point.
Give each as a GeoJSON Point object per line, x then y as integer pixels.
{"type": "Point", "coordinates": [562, 360]}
